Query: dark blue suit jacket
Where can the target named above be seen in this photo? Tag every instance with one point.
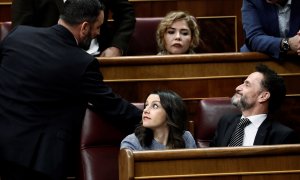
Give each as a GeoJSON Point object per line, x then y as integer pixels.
{"type": "Point", "coordinates": [269, 133]}
{"type": "Point", "coordinates": [261, 27]}
{"type": "Point", "coordinates": [45, 86]}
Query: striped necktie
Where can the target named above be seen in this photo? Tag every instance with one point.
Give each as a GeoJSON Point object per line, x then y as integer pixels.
{"type": "Point", "coordinates": [238, 135]}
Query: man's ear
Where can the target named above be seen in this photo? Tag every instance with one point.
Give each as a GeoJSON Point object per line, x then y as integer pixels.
{"type": "Point", "coordinates": [84, 29]}
{"type": "Point", "coordinates": [264, 96]}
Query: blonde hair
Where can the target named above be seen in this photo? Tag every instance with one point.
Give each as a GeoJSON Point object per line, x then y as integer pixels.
{"type": "Point", "coordinates": [168, 20]}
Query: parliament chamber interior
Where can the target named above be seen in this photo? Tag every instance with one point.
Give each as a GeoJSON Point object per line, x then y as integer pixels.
{"type": "Point", "coordinates": [206, 82]}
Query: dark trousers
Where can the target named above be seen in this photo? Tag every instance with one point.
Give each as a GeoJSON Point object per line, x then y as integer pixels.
{"type": "Point", "coordinates": [11, 171]}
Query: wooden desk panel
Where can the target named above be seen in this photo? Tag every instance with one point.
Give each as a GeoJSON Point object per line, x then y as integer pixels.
{"type": "Point", "coordinates": [192, 76]}
{"type": "Point", "coordinates": [196, 65]}
{"type": "Point", "coordinates": [264, 162]}
{"type": "Point", "coordinates": [193, 88]}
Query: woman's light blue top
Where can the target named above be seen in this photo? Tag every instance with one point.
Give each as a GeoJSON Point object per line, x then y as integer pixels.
{"type": "Point", "coordinates": [132, 142]}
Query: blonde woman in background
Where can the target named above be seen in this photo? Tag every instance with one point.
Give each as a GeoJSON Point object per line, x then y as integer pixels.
{"type": "Point", "coordinates": [177, 33]}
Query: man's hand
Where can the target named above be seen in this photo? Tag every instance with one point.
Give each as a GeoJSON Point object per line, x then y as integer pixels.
{"type": "Point", "coordinates": [111, 52]}
{"type": "Point", "coordinates": [295, 43]}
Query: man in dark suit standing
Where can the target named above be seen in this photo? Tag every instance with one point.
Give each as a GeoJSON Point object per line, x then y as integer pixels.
{"type": "Point", "coordinates": [111, 42]}
{"type": "Point", "coordinates": [46, 83]}
{"type": "Point", "coordinates": [258, 97]}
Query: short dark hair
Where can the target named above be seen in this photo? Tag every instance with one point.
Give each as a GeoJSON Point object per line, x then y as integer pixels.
{"type": "Point", "coordinates": [176, 120]}
{"type": "Point", "coordinates": [274, 84]}
{"type": "Point", "coordinates": [78, 11]}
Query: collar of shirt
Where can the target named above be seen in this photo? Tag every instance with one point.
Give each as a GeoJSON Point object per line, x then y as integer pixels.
{"type": "Point", "coordinates": [257, 120]}
{"type": "Point", "coordinates": [288, 3]}
{"type": "Point", "coordinates": [284, 18]}
{"type": "Point", "coordinates": [251, 129]}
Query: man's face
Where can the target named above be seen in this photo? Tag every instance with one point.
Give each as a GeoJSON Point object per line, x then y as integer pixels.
{"type": "Point", "coordinates": [247, 94]}
{"type": "Point", "coordinates": [93, 32]}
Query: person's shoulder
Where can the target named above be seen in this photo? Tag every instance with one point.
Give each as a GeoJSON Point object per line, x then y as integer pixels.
{"type": "Point", "coordinates": [187, 135]}
{"type": "Point", "coordinates": [23, 29]}
{"type": "Point", "coordinates": [282, 127]}
{"type": "Point", "coordinates": [131, 138]}
{"type": "Point", "coordinates": [131, 142]}
{"type": "Point", "coordinates": [189, 140]}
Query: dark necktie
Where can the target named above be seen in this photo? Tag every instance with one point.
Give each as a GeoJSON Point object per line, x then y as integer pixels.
{"type": "Point", "coordinates": [238, 135]}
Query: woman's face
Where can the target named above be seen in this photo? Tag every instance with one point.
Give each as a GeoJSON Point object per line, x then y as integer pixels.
{"type": "Point", "coordinates": [154, 116]}
{"type": "Point", "coordinates": [178, 38]}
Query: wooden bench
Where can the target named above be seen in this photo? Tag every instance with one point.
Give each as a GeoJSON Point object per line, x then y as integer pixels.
{"type": "Point", "coordinates": [259, 162]}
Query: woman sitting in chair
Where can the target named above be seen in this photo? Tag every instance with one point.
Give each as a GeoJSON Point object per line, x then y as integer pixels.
{"type": "Point", "coordinates": [177, 33]}
{"type": "Point", "coordinates": [163, 124]}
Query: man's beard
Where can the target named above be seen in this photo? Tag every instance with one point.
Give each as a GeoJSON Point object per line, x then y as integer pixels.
{"type": "Point", "coordinates": [241, 103]}
{"type": "Point", "coordinates": [85, 44]}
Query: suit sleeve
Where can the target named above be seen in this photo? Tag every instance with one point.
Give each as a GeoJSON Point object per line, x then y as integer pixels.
{"type": "Point", "coordinates": [215, 139]}
{"type": "Point", "coordinates": [291, 138]}
{"type": "Point", "coordinates": [106, 102]}
{"type": "Point", "coordinates": [255, 37]}
{"type": "Point", "coordinates": [124, 21]}
{"type": "Point", "coordinates": [37, 13]}
{"type": "Point", "coordinates": [22, 12]}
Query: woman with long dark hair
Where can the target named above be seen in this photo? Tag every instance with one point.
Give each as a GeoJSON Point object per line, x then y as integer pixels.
{"type": "Point", "coordinates": [163, 124]}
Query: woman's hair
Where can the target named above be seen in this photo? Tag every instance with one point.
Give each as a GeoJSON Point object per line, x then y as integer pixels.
{"type": "Point", "coordinates": [167, 22]}
{"type": "Point", "coordinates": [78, 11]}
{"type": "Point", "coordinates": [176, 114]}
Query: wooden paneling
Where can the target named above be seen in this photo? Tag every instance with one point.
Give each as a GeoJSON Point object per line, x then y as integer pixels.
{"type": "Point", "coordinates": [155, 8]}
{"type": "Point", "coordinates": [5, 12]}
{"type": "Point", "coordinates": [190, 88]}
{"type": "Point", "coordinates": [192, 76]}
{"type": "Point", "coordinates": [263, 162]}
{"type": "Point", "coordinates": [218, 34]}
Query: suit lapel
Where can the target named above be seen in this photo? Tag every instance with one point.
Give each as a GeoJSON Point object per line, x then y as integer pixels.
{"type": "Point", "coordinates": [294, 18]}
{"type": "Point", "coordinates": [262, 132]}
{"type": "Point", "coordinates": [231, 127]}
{"type": "Point", "coordinates": [273, 19]}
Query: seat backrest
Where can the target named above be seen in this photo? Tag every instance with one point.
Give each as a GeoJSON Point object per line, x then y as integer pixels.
{"type": "Point", "coordinates": [99, 147]}
{"type": "Point", "coordinates": [208, 114]}
{"type": "Point", "coordinates": [5, 27]}
{"type": "Point", "coordinates": [143, 40]}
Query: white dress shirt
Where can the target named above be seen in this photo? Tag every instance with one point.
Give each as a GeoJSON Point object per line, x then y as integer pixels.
{"type": "Point", "coordinates": [284, 14]}
{"type": "Point", "coordinates": [251, 129]}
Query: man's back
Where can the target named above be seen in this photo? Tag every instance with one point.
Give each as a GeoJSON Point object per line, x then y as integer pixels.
{"type": "Point", "coordinates": [40, 92]}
